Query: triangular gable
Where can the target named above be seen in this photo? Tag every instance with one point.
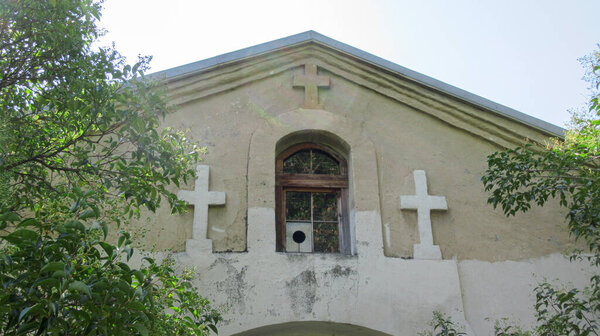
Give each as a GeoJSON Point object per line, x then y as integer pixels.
{"type": "Point", "coordinates": [467, 111]}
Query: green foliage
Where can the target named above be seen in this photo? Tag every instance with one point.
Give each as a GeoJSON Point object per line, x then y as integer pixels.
{"type": "Point", "coordinates": [442, 325]}
{"type": "Point", "coordinates": [569, 171]}
{"type": "Point", "coordinates": [81, 151]}
{"type": "Point", "coordinates": [59, 277]}
{"type": "Point", "coordinates": [568, 311]}
{"type": "Point", "coordinates": [72, 113]}
{"type": "Point", "coordinates": [504, 328]}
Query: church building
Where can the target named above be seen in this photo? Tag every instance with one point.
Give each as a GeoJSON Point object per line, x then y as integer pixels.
{"type": "Point", "coordinates": [341, 194]}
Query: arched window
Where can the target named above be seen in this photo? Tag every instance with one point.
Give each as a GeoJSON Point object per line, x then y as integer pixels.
{"type": "Point", "coordinates": [311, 200]}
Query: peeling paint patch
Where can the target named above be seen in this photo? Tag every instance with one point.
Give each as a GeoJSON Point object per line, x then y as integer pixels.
{"type": "Point", "coordinates": [234, 285]}
{"type": "Point", "coordinates": [296, 257]}
{"type": "Point", "coordinates": [303, 292]}
{"type": "Point", "coordinates": [339, 271]}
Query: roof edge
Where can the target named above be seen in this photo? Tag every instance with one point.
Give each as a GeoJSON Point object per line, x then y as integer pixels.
{"type": "Point", "coordinates": [367, 57]}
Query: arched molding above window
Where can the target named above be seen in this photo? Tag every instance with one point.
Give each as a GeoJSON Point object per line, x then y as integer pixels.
{"type": "Point", "coordinates": [322, 137]}
{"type": "Point", "coordinates": [341, 134]}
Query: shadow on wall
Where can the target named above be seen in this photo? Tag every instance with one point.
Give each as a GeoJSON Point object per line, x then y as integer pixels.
{"type": "Point", "coordinates": [312, 328]}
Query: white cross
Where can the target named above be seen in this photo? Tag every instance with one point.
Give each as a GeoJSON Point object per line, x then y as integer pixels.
{"type": "Point", "coordinates": [201, 198]}
{"type": "Point", "coordinates": [424, 203]}
{"type": "Point", "coordinates": [311, 83]}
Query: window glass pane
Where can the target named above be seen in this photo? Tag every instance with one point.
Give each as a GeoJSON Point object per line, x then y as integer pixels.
{"type": "Point", "coordinates": [325, 237]}
{"type": "Point", "coordinates": [297, 205]}
{"type": "Point", "coordinates": [298, 163]}
{"type": "Point", "coordinates": [311, 161]}
{"type": "Point", "coordinates": [325, 206]}
{"type": "Point", "coordinates": [323, 163]}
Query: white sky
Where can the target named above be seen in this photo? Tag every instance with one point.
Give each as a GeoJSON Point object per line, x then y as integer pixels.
{"type": "Point", "coordinates": [519, 53]}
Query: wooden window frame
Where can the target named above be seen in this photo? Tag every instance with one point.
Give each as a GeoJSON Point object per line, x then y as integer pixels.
{"type": "Point", "coordinates": [312, 183]}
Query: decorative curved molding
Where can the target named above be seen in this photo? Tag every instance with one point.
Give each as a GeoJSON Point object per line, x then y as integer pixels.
{"type": "Point", "coordinates": [485, 124]}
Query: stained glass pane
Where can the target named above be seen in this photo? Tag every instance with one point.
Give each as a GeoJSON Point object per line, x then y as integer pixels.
{"type": "Point", "coordinates": [311, 161]}
{"type": "Point", "coordinates": [297, 205]}
{"type": "Point", "coordinates": [323, 163]}
{"type": "Point", "coordinates": [298, 163]}
{"type": "Point", "coordinates": [326, 237]}
{"type": "Point", "coordinates": [325, 206]}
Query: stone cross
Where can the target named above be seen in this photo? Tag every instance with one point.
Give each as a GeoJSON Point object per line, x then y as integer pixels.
{"type": "Point", "coordinates": [201, 198]}
{"type": "Point", "coordinates": [311, 83]}
{"type": "Point", "coordinates": [424, 203]}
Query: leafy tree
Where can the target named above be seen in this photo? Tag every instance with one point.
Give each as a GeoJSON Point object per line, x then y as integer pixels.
{"type": "Point", "coordinates": [568, 170]}
{"type": "Point", "coordinates": [81, 150]}
{"type": "Point", "coordinates": [442, 325]}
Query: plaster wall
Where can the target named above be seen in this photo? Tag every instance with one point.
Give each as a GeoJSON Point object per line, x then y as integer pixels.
{"type": "Point", "coordinates": [388, 127]}
{"type": "Point", "coordinates": [404, 138]}
{"type": "Point", "coordinates": [390, 295]}
{"type": "Point", "coordinates": [504, 289]}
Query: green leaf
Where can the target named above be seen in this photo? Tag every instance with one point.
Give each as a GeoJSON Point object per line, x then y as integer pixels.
{"type": "Point", "coordinates": [51, 282]}
{"type": "Point", "coordinates": [21, 236]}
{"type": "Point", "coordinates": [139, 275]}
{"type": "Point", "coordinates": [88, 213]}
{"type": "Point", "coordinates": [137, 305]}
{"type": "Point", "coordinates": [141, 328]}
{"type": "Point", "coordinates": [128, 251]}
{"type": "Point", "coordinates": [75, 224]}
{"type": "Point", "coordinates": [53, 306]}
{"type": "Point", "coordinates": [31, 311]}
{"type": "Point", "coordinates": [59, 274]}
{"type": "Point", "coordinates": [121, 241]}
{"type": "Point", "coordinates": [23, 313]}
{"type": "Point", "coordinates": [53, 266]}
{"type": "Point", "coordinates": [213, 328]}
{"type": "Point", "coordinates": [105, 229]}
{"type": "Point", "coordinates": [9, 217]}
{"type": "Point", "coordinates": [81, 287]}
{"type": "Point", "coordinates": [75, 205]}
{"type": "Point", "coordinates": [29, 222]}
{"type": "Point", "coordinates": [108, 248]}
{"type": "Point", "coordinates": [124, 267]}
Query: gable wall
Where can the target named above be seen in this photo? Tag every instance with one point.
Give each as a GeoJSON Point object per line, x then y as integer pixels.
{"type": "Point", "coordinates": [408, 133]}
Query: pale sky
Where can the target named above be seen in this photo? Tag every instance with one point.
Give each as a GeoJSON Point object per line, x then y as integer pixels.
{"type": "Point", "coordinates": [522, 54]}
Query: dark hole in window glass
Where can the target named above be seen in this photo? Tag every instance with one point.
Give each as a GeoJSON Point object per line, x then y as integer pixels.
{"type": "Point", "coordinates": [299, 237]}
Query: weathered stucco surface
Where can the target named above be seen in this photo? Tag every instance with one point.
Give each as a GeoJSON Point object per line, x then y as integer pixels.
{"type": "Point", "coordinates": [505, 289]}
{"type": "Point", "coordinates": [410, 127]}
{"type": "Point", "coordinates": [262, 288]}
{"type": "Point", "coordinates": [247, 111]}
